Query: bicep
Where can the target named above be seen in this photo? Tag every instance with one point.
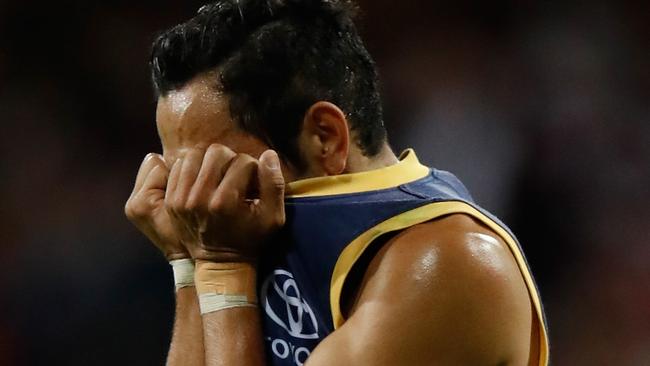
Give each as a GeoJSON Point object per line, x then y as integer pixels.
{"type": "Point", "coordinates": [424, 303]}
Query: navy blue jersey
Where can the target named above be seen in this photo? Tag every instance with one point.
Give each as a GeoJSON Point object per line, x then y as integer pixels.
{"type": "Point", "coordinates": [331, 221]}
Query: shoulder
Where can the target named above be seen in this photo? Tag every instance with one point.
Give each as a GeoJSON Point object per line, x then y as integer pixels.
{"type": "Point", "coordinates": [456, 247]}
{"type": "Point", "coordinates": [453, 283]}
{"type": "Point", "coordinates": [444, 253]}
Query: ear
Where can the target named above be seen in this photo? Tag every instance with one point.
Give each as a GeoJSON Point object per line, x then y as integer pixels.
{"type": "Point", "coordinates": [325, 139]}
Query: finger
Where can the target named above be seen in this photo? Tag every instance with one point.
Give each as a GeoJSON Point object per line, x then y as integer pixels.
{"type": "Point", "coordinates": [236, 182]}
{"type": "Point", "coordinates": [216, 161]}
{"type": "Point", "coordinates": [157, 179]}
{"type": "Point", "coordinates": [172, 181]}
{"type": "Point", "coordinates": [271, 182]}
{"type": "Point", "coordinates": [189, 171]}
{"type": "Point", "coordinates": [151, 192]}
{"type": "Point", "coordinates": [150, 161]}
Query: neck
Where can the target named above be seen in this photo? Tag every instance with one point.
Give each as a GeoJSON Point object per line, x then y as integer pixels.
{"type": "Point", "coordinates": [357, 162]}
{"type": "Point", "coordinates": [381, 174]}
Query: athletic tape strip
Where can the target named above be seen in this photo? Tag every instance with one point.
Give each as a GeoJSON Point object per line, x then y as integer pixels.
{"type": "Point", "coordinates": [209, 303]}
{"type": "Point", "coordinates": [183, 273]}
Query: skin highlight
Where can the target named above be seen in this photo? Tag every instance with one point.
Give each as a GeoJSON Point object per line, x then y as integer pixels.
{"type": "Point", "coordinates": [450, 274]}
{"type": "Point", "coordinates": [197, 115]}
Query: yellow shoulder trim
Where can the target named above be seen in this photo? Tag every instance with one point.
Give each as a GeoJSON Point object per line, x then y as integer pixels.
{"type": "Point", "coordinates": [407, 170]}
{"type": "Point", "coordinates": [353, 252]}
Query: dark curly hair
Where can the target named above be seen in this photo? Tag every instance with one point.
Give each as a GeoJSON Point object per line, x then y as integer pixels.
{"type": "Point", "coordinates": [276, 58]}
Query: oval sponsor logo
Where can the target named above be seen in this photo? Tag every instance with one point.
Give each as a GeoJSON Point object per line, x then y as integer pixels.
{"type": "Point", "coordinates": [286, 307]}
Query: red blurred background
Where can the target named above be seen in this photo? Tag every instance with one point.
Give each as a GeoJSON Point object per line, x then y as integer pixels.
{"type": "Point", "coordinates": [541, 108]}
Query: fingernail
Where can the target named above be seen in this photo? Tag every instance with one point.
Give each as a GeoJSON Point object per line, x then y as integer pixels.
{"type": "Point", "coordinates": [272, 160]}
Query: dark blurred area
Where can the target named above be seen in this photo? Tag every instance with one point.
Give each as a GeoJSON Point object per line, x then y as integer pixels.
{"type": "Point", "coordinates": [541, 108]}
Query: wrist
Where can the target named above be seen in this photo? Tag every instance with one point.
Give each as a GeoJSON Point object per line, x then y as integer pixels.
{"type": "Point", "coordinates": [222, 286]}
{"type": "Point", "coordinates": [176, 255]}
{"type": "Point", "coordinates": [183, 270]}
{"type": "Point", "coordinates": [201, 252]}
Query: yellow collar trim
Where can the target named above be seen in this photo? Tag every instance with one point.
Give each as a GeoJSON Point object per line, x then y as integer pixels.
{"type": "Point", "coordinates": [407, 170]}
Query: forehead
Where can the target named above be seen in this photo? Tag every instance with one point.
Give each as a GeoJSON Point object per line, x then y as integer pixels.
{"type": "Point", "coordinates": [186, 115]}
{"type": "Point", "coordinates": [198, 115]}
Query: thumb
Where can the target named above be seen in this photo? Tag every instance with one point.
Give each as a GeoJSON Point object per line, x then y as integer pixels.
{"type": "Point", "coordinates": [271, 181]}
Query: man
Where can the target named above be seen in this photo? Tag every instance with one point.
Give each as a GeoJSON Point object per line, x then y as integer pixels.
{"type": "Point", "coordinates": [361, 258]}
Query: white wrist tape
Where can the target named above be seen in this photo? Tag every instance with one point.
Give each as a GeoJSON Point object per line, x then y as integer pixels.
{"type": "Point", "coordinates": [183, 273]}
{"type": "Point", "coordinates": [223, 286]}
{"type": "Point", "coordinates": [209, 303]}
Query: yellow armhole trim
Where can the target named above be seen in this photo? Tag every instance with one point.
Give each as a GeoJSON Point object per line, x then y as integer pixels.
{"type": "Point", "coordinates": [353, 251]}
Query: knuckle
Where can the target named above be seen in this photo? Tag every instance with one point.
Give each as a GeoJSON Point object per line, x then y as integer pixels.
{"type": "Point", "coordinates": [147, 159]}
{"type": "Point", "coordinates": [177, 205]}
{"type": "Point", "coordinates": [128, 210]}
{"type": "Point", "coordinates": [278, 184]}
{"type": "Point", "coordinates": [174, 204]}
{"type": "Point", "coordinates": [193, 152]}
{"type": "Point", "coordinates": [218, 149]}
{"type": "Point", "coordinates": [191, 205]}
{"type": "Point", "coordinates": [150, 157]}
{"type": "Point", "coordinates": [168, 206]}
{"type": "Point", "coordinates": [215, 149]}
{"type": "Point", "coordinates": [245, 161]}
{"type": "Point", "coordinates": [135, 210]}
{"type": "Point", "coordinates": [151, 202]}
{"type": "Point", "coordinates": [217, 205]}
{"type": "Point", "coordinates": [230, 196]}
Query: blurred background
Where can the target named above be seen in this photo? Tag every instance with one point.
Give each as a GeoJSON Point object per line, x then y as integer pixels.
{"type": "Point", "coordinates": [542, 108]}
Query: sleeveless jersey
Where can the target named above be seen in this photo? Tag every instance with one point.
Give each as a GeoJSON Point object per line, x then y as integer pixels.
{"type": "Point", "coordinates": [331, 221]}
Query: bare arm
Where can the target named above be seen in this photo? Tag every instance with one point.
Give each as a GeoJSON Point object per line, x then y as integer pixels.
{"type": "Point", "coordinates": [223, 223]}
{"type": "Point", "coordinates": [446, 292]}
{"type": "Point", "coordinates": [233, 337]}
{"type": "Point", "coordinates": [145, 208]}
{"type": "Point", "coordinates": [187, 340]}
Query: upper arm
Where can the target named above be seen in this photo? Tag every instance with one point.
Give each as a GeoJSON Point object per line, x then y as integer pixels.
{"type": "Point", "coordinates": [447, 292]}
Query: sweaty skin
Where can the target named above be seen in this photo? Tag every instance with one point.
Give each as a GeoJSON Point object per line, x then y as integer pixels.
{"type": "Point", "coordinates": [446, 292]}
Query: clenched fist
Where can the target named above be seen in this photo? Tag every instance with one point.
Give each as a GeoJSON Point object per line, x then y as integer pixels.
{"type": "Point", "coordinates": [224, 205]}
{"type": "Point", "coordinates": [146, 208]}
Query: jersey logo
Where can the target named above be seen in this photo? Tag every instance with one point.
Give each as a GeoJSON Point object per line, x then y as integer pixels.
{"type": "Point", "coordinates": [286, 307]}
